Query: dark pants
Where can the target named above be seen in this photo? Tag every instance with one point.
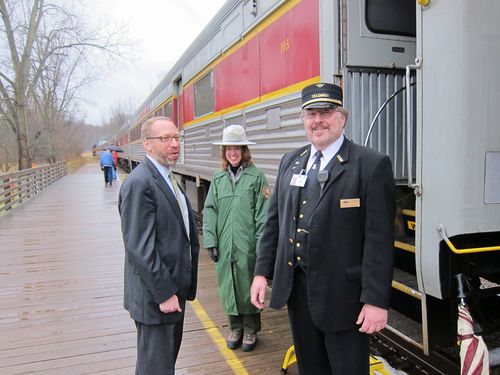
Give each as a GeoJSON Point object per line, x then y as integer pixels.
{"type": "Point", "coordinates": [157, 348]}
{"type": "Point", "coordinates": [108, 175]}
{"type": "Point", "coordinates": [319, 352]}
{"type": "Point", "coordinates": [249, 323]}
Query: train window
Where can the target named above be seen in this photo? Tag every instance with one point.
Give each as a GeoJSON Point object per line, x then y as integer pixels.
{"type": "Point", "coordinates": [393, 17]}
{"type": "Point", "coordinates": [133, 134]}
{"type": "Point", "coordinates": [204, 95]}
{"type": "Point", "coordinates": [168, 109]}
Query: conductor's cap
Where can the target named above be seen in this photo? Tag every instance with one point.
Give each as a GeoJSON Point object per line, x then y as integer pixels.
{"type": "Point", "coordinates": [321, 95]}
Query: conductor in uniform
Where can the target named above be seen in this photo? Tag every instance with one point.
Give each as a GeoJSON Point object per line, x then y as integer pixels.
{"type": "Point", "coordinates": [327, 245]}
{"type": "Point", "coordinates": [161, 249]}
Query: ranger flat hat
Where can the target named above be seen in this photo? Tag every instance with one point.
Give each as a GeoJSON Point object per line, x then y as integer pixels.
{"type": "Point", "coordinates": [321, 95]}
{"type": "Point", "coordinates": [234, 135]}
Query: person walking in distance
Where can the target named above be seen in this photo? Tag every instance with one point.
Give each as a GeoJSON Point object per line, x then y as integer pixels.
{"type": "Point", "coordinates": [161, 249]}
{"type": "Point", "coordinates": [233, 220]}
{"type": "Point", "coordinates": [107, 166]}
{"type": "Point", "coordinates": [328, 241]}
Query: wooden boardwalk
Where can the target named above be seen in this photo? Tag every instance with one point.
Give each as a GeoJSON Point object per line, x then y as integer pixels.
{"type": "Point", "coordinates": [61, 280]}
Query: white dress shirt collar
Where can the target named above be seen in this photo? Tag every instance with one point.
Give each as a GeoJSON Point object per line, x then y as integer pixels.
{"type": "Point", "coordinates": [328, 153]}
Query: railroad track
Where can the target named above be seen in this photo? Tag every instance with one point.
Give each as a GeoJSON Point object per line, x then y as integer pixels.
{"type": "Point", "coordinates": [404, 356]}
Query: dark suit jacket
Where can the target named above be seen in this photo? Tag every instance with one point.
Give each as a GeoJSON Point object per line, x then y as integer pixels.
{"type": "Point", "coordinates": [350, 246]}
{"type": "Point", "coordinates": [160, 259]}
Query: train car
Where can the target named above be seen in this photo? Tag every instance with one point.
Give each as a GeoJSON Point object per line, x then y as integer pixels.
{"type": "Point", "coordinates": [421, 84]}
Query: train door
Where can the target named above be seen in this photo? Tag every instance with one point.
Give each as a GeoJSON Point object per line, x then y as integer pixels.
{"type": "Point", "coordinates": [377, 43]}
{"type": "Point", "coordinates": [458, 144]}
{"type": "Point", "coordinates": [179, 116]}
{"type": "Point", "coordinates": [375, 40]}
{"type": "Point", "coordinates": [459, 130]}
{"type": "Point", "coordinates": [459, 112]}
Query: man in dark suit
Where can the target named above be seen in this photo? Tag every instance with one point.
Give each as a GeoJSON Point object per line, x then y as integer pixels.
{"type": "Point", "coordinates": [161, 249]}
{"type": "Point", "coordinates": [328, 241]}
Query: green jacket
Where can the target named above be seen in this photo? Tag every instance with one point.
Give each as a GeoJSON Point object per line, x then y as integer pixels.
{"type": "Point", "coordinates": [233, 220]}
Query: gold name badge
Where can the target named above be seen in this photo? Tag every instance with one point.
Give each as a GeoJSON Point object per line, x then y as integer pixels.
{"type": "Point", "coordinates": [350, 203]}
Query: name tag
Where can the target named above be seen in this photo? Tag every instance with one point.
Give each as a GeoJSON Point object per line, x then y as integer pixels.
{"type": "Point", "coordinates": [298, 180]}
{"type": "Point", "coordinates": [350, 203]}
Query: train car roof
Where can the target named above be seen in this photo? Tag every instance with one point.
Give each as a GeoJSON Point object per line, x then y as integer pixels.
{"type": "Point", "coordinates": [199, 42]}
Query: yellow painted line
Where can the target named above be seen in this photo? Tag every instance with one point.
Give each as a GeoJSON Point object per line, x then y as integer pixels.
{"type": "Point", "coordinates": [408, 212]}
{"type": "Point", "coordinates": [231, 359]}
{"type": "Point", "coordinates": [406, 289]}
{"type": "Point", "coordinates": [404, 246]}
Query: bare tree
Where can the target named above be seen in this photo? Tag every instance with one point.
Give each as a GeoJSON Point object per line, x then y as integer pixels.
{"type": "Point", "coordinates": [14, 83]}
{"type": "Point", "coordinates": [8, 155]}
{"type": "Point", "coordinates": [118, 116]}
{"type": "Point", "coordinates": [47, 45]}
{"type": "Point", "coordinates": [55, 106]}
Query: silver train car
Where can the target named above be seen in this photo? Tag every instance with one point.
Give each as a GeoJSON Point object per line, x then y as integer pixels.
{"type": "Point", "coordinates": [420, 83]}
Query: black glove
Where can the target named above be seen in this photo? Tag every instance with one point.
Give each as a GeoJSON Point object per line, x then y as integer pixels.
{"type": "Point", "coordinates": [213, 253]}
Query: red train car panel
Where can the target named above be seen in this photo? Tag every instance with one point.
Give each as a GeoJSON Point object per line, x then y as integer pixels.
{"type": "Point", "coordinates": [289, 48]}
{"type": "Point", "coordinates": [237, 77]}
{"type": "Point", "coordinates": [187, 103]}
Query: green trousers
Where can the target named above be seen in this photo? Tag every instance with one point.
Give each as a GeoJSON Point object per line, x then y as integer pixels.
{"type": "Point", "coordinates": [249, 323]}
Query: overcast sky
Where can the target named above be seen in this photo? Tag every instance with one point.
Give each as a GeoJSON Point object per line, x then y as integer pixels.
{"type": "Point", "coordinates": [163, 29]}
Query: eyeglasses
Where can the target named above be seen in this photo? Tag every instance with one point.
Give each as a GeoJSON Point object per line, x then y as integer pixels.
{"type": "Point", "coordinates": [167, 139]}
{"type": "Point", "coordinates": [324, 114]}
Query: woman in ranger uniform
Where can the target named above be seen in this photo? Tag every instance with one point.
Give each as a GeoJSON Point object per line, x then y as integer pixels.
{"type": "Point", "coordinates": [233, 219]}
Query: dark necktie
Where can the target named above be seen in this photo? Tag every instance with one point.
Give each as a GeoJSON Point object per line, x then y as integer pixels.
{"type": "Point", "coordinates": [312, 175]}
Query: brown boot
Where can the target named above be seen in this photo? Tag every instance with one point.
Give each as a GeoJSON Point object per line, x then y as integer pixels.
{"type": "Point", "coordinates": [249, 342]}
{"type": "Point", "coordinates": [234, 339]}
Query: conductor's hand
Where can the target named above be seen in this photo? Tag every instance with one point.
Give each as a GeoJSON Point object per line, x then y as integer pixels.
{"type": "Point", "coordinates": [258, 291]}
{"type": "Point", "coordinates": [213, 253]}
{"type": "Point", "coordinates": [170, 305]}
{"type": "Point", "coordinates": [372, 319]}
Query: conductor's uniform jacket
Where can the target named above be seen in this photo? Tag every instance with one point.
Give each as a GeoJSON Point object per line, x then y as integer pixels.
{"type": "Point", "coordinates": [349, 246]}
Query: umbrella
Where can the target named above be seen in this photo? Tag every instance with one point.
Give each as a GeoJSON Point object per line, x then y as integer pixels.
{"type": "Point", "coordinates": [101, 144]}
{"type": "Point", "coordinates": [115, 148]}
{"type": "Point", "coordinates": [473, 351]}
{"type": "Point", "coordinates": [112, 148]}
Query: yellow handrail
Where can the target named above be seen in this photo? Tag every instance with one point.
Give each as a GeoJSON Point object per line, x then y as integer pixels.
{"type": "Point", "coordinates": [442, 231]}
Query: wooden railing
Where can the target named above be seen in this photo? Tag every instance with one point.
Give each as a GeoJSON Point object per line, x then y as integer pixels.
{"type": "Point", "coordinates": [17, 187]}
{"type": "Point", "coordinates": [74, 164]}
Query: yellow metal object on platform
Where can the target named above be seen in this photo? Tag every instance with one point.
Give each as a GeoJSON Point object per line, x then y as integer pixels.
{"type": "Point", "coordinates": [377, 367]}
{"type": "Point", "coordinates": [290, 358]}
